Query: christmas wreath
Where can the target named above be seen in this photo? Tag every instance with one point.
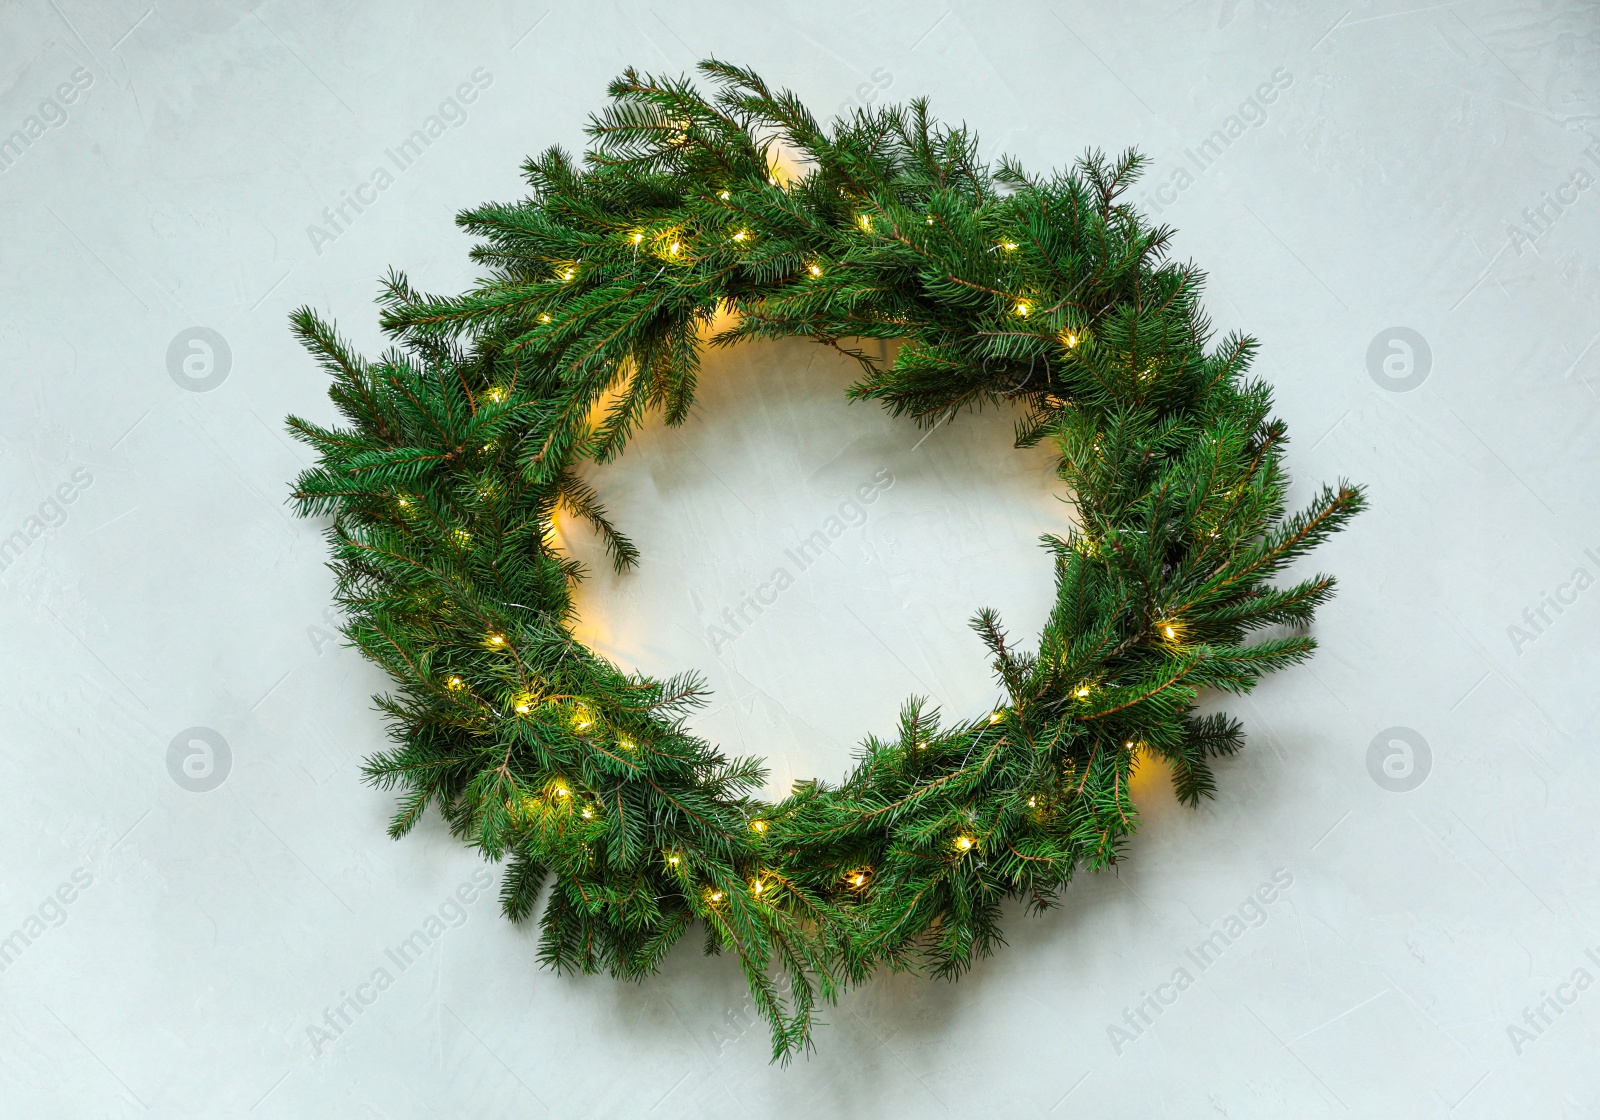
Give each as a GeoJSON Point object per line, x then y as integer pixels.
{"type": "Point", "coordinates": [465, 439]}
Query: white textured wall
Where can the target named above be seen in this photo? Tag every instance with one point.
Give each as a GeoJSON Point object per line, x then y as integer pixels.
{"type": "Point", "coordinates": [161, 584]}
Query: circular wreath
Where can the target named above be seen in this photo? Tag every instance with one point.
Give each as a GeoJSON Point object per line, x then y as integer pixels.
{"type": "Point", "coordinates": [463, 441]}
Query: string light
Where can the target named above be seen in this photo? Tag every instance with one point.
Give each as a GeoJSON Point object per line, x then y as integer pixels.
{"type": "Point", "coordinates": [741, 235]}
{"type": "Point", "coordinates": [715, 896]}
{"type": "Point", "coordinates": [1023, 309]}
{"type": "Point", "coordinates": [866, 222]}
{"type": "Point", "coordinates": [403, 503]}
{"type": "Point", "coordinates": [497, 639]}
{"type": "Point", "coordinates": [1032, 802]}
{"type": "Point", "coordinates": [673, 859]}
{"type": "Point", "coordinates": [857, 878]}
{"type": "Point", "coordinates": [625, 743]}
{"type": "Point", "coordinates": [1083, 690]}
{"type": "Point", "coordinates": [816, 270]}
{"type": "Point", "coordinates": [586, 814]}
{"type": "Point", "coordinates": [1071, 340]}
{"type": "Point", "coordinates": [1008, 246]}
{"type": "Point", "coordinates": [675, 246]}
{"type": "Point", "coordinates": [922, 745]}
{"type": "Point", "coordinates": [563, 791]}
{"type": "Point", "coordinates": [930, 219]}
{"type": "Point", "coordinates": [568, 275]}
{"type": "Point", "coordinates": [495, 393]}
{"type": "Point", "coordinates": [454, 682]}
{"type": "Point", "coordinates": [759, 826]}
{"type": "Point", "coordinates": [964, 843]}
{"type": "Point", "coordinates": [524, 705]}
{"type": "Point", "coordinates": [997, 716]}
{"type": "Point", "coordinates": [638, 237]}
{"type": "Point", "coordinates": [755, 886]}
{"type": "Point", "coordinates": [544, 318]}
{"type": "Point", "coordinates": [720, 194]}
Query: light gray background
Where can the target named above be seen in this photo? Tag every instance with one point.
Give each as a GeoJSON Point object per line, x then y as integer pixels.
{"type": "Point", "coordinates": [1386, 187]}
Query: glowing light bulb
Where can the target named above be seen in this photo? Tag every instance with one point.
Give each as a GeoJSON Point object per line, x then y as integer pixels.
{"type": "Point", "coordinates": [996, 717]}
{"type": "Point", "coordinates": [755, 886]}
{"type": "Point", "coordinates": [1129, 744]}
{"type": "Point", "coordinates": [816, 270]}
{"type": "Point", "coordinates": [586, 814]}
{"type": "Point", "coordinates": [772, 180]}
{"type": "Point", "coordinates": [723, 195]}
{"type": "Point", "coordinates": [1072, 340]}
{"type": "Point", "coordinates": [1032, 802]}
{"type": "Point", "coordinates": [404, 502]}
{"type": "Point", "coordinates": [1008, 246]}
{"type": "Point", "coordinates": [544, 318]}
{"type": "Point", "coordinates": [964, 843]}
{"type": "Point", "coordinates": [1023, 309]}
{"type": "Point", "coordinates": [673, 860]}
{"type": "Point", "coordinates": [625, 743]}
{"type": "Point", "coordinates": [923, 745]}
{"type": "Point", "coordinates": [497, 639]}
{"type": "Point", "coordinates": [454, 682]}
{"type": "Point", "coordinates": [1168, 630]}
{"type": "Point", "coordinates": [857, 879]}
{"type": "Point", "coordinates": [495, 393]}
{"type": "Point", "coordinates": [563, 791]}
{"type": "Point", "coordinates": [638, 237]}
{"type": "Point", "coordinates": [716, 896]}
{"type": "Point", "coordinates": [523, 708]}
{"type": "Point", "coordinates": [1082, 692]}
{"type": "Point", "coordinates": [568, 274]}
{"type": "Point", "coordinates": [930, 219]}
{"type": "Point", "coordinates": [674, 247]}
{"type": "Point", "coordinates": [759, 826]}
{"type": "Point", "coordinates": [866, 222]}
{"type": "Point", "coordinates": [741, 235]}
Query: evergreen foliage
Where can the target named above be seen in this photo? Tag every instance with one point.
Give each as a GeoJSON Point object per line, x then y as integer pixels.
{"type": "Point", "coordinates": [462, 442]}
